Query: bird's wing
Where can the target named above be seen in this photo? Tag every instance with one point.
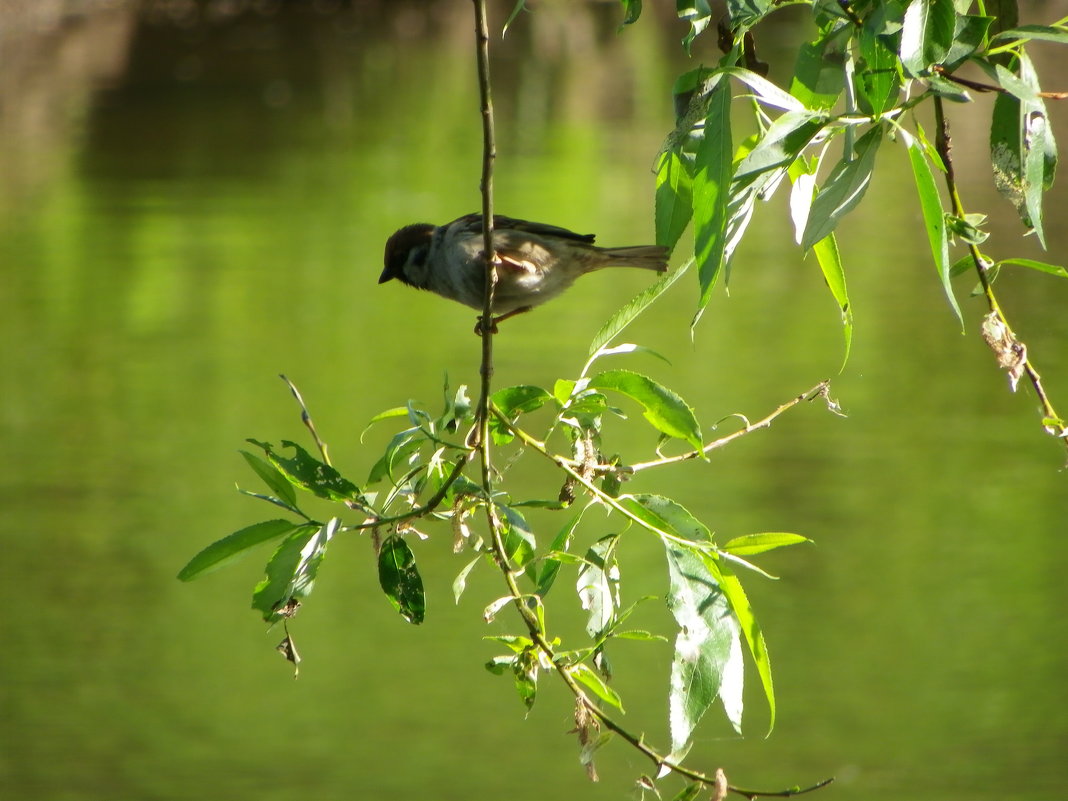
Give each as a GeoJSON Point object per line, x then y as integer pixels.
{"type": "Point", "coordinates": [472, 223]}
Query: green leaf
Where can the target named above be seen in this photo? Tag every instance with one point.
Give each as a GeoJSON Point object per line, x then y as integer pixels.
{"type": "Point", "coordinates": [926, 34]}
{"type": "Point", "coordinates": [584, 674]}
{"type": "Point", "coordinates": [843, 189]}
{"type": "Point", "coordinates": [598, 585]}
{"type": "Point", "coordinates": [1041, 266]}
{"type": "Point", "coordinates": [632, 9]}
{"type": "Point", "coordinates": [665, 411]}
{"type": "Point", "coordinates": [511, 402]}
{"type": "Point", "coordinates": [388, 414]}
{"type": "Point", "coordinates": [819, 74]}
{"type": "Point", "coordinates": [272, 478]}
{"type": "Point", "coordinates": [934, 219]}
{"type": "Point", "coordinates": [750, 544]}
{"type": "Point", "coordinates": [830, 262]}
{"type": "Point", "coordinates": [234, 546]}
{"type": "Point", "coordinates": [969, 34]}
{"type": "Point", "coordinates": [519, 543]}
{"type": "Point", "coordinates": [519, 6]}
{"type": "Point", "coordinates": [642, 301]}
{"type": "Point", "coordinates": [696, 12]}
{"type": "Point", "coordinates": [782, 143]}
{"type": "Point", "coordinates": [399, 450]}
{"type": "Point", "coordinates": [746, 13]}
{"type": "Point", "coordinates": [400, 579]}
{"type": "Point", "coordinates": [291, 571]}
{"type": "Point", "coordinates": [674, 198]}
{"type": "Point", "coordinates": [708, 654]}
{"type": "Point", "coordinates": [551, 564]}
{"type": "Point", "coordinates": [754, 636]}
{"type": "Point", "coordinates": [309, 473]}
{"type": "Point", "coordinates": [711, 191]}
{"type": "Point", "coordinates": [689, 792]}
{"type": "Point", "coordinates": [459, 584]}
{"type": "Point", "coordinates": [1044, 33]}
{"type": "Point", "coordinates": [668, 516]}
{"type": "Point", "coordinates": [878, 79]}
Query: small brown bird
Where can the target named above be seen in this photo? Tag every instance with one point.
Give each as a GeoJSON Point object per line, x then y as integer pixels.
{"type": "Point", "coordinates": [536, 262]}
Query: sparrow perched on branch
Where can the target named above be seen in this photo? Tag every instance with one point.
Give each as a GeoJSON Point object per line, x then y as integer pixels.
{"type": "Point", "coordinates": [535, 262]}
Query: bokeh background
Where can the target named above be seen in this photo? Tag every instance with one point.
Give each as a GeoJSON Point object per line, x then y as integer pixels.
{"type": "Point", "coordinates": [194, 198]}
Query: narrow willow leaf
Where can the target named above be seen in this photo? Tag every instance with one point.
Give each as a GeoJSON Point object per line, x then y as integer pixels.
{"type": "Point", "coordinates": [272, 478]}
{"type": "Point", "coordinates": [459, 584]}
{"type": "Point", "coordinates": [708, 654]}
{"type": "Point", "coordinates": [830, 262]}
{"type": "Point", "coordinates": [290, 573]}
{"type": "Point", "coordinates": [309, 473]}
{"type": "Point", "coordinates": [234, 547]}
{"type": "Point", "coordinates": [669, 516]}
{"type": "Point", "coordinates": [711, 192]}
{"type": "Point", "coordinates": [819, 74]}
{"type": "Point", "coordinates": [584, 674]}
{"type": "Point", "coordinates": [674, 198]}
{"type": "Point", "coordinates": [689, 792]}
{"type": "Point", "coordinates": [400, 579]}
{"type": "Point", "coordinates": [397, 454]}
{"type": "Point", "coordinates": [598, 585]}
{"type": "Point", "coordinates": [765, 91]}
{"type": "Point", "coordinates": [519, 6]}
{"type": "Point", "coordinates": [1041, 266]}
{"type": "Point", "coordinates": [665, 411]}
{"type": "Point", "coordinates": [642, 301]}
{"type": "Point", "coordinates": [388, 414]}
{"type": "Point", "coordinates": [557, 548]}
{"type": "Point", "coordinates": [782, 143]}
{"type": "Point", "coordinates": [843, 189]}
{"type": "Point", "coordinates": [926, 34]}
{"type": "Point", "coordinates": [754, 636]}
{"type": "Point", "coordinates": [934, 219]}
{"type": "Point", "coordinates": [750, 544]}
{"type": "Point", "coordinates": [1042, 32]}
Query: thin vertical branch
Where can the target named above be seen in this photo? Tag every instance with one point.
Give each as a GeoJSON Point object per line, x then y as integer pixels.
{"type": "Point", "coordinates": [1007, 340]}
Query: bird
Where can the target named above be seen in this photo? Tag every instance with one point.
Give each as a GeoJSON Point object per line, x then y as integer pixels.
{"type": "Point", "coordinates": [535, 261]}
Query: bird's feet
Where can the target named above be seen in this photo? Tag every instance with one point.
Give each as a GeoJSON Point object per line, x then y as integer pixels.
{"type": "Point", "coordinates": [481, 329]}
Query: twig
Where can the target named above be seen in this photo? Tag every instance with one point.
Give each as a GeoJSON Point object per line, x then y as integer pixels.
{"type": "Point", "coordinates": [305, 418]}
{"type": "Point", "coordinates": [944, 146]}
{"type": "Point", "coordinates": [819, 391]}
{"type": "Point", "coordinates": [978, 86]}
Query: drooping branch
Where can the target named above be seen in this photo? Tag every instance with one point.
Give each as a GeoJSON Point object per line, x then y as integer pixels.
{"type": "Point", "coordinates": [1011, 352]}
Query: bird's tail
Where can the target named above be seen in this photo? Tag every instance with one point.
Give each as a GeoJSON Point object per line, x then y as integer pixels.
{"type": "Point", "coordinates": [648, 257]}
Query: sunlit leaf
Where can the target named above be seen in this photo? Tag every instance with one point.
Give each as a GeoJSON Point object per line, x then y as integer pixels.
{"type": "Point", "coordinates": [388, 414]}
{"type": "Point", "coordinates": [878, 77]}
{"type": "Point", "coordinates": [933, 219]}
{"type": "Point", "coordinates": [665, 411]}
{"type": "Point", "coordinates": [765, 91]}
{"type": "Point", "coordinates": [272, 478]}
{"type": "Point", "coordinates": [746, 13]}
{"type": "Point", "coordinates": [708, 654]}
{"type": "Point", "coordinates": [830, 262]}
{"type": "Point", "coordinates": [235, 546]}
{"type": "Point", "coordinates": [843, 189]}
{"type": "Point", "coordinates": [598, 585]}
{"type": "Point", "coordinates": [642, 301]}
{"type": "Point", "coordinates": [1041, 32]}
{"type": "Point", "coordinates": [400, 579]}
{"type": "Point", "coordinates": [550, 567]}
{"type": "Point", "coordinates": [926, 34]}
{"type": "Point", "coordinates": [308, 473]}
{"type": "Point", "coordinates": [819, 73]}
{"type": "Point", "coordinates": [291, 571]}
{"type": "Point", "coordinates": [696, 12]}
{"type": "Point", "coordinates": [968, 36]}
{"type": "Point", "coordinates": [632, 9]}
{"type": "Point", "coordinates": [459, 584]}
{"type": "Point", "coordinates": [519, 543]}
{"type": "Point", "coordinates": [750, 544]}
{"type": "Point", "coordinates": [711, 191]}
{"type": "Point", "coordinates": [585, 675]}
{"type": "Point", "coordinates": [1041, 266]}
{"type": "Point", "coordinates": [668, 516]}
{"type": "Point", "coordinates": [782, 143]}
{"type": "Point", "coordinates": [674, 198]}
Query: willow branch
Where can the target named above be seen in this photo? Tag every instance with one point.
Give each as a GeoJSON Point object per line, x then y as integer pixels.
{"type": "Point", "coordinates": [819, 391]}
{"type": "Point", "coordinates": [944, 146]}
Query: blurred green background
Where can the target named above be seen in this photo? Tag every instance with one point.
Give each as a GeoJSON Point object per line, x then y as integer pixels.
{"type": "Point", "coordinates": [194, 198]}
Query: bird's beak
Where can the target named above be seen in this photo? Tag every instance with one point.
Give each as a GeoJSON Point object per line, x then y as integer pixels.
{"type": "Point", "coordinates": [388, 274]}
